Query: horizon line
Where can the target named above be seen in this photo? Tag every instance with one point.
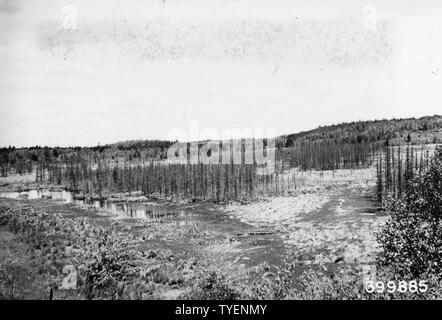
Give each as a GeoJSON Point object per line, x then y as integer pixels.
{"type": "Point", "coordinates": [165, 140]}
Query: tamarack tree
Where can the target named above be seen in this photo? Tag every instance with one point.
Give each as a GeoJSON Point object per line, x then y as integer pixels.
{"type": "Point", "coordinates": [95, 172]}
{"type": "Point", "coordinates": [396, 168]}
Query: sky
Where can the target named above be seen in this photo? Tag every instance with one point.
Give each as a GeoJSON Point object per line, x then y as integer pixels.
{"type": "Point", "coordinates": [87, 72]}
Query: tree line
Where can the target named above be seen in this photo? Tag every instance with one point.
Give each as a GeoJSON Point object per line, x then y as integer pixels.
{"type": "Point", "coordinates": [396, 167]}
{"type": "Point", "coordinates": [366, 131]}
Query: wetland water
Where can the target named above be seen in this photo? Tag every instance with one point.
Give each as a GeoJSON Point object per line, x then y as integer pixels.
{"type": "Point", "coordinates": [120, 209]}
{"type": "Point", "coordinates": [258, 244]}
{"type": "Point", "coordinates": [319, 227]}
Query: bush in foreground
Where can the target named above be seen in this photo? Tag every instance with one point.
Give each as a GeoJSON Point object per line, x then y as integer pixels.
{"type": "Point", "coordinates": [411, 240]}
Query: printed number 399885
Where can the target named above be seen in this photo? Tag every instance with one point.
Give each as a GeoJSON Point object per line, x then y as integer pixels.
{"type": "Point", "coordinates": [412, 286]}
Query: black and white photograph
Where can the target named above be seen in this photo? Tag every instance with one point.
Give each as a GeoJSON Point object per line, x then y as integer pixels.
{"type": "Point", "coordinates": [239, 150]}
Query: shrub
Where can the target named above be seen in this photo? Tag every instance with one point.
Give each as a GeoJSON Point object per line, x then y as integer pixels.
{"type": "Point", "coordinates": [108, 264]}
{"type": "Point", "coordinates": [411, 239]}
{"type": "Point", "coordinates": [106, 260]}
{"type": "Point", "coordinates": [214, 286]}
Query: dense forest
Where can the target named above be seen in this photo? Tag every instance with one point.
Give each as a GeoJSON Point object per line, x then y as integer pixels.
{"type": "Point", "coordinates": [425, 129]}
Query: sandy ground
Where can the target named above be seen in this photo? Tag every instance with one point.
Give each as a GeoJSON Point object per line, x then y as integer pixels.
{"type": "Point", "coordinates": [332, 217]}
{"type": "Point", "coordinates": [278, 211]}
{"type": "Point", "coordinates": [360, 177]}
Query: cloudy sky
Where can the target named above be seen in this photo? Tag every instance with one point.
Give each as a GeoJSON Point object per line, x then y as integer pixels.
{"type": "Point", "coordinates": [85, 72]}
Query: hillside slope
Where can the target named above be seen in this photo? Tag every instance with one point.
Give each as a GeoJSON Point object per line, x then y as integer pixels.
{"type": "Point", "coordinates": [397, 131]}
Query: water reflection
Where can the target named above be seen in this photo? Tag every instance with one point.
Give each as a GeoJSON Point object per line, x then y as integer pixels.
{"type": "Point", "coordinates": [66, 196]}
{"type": "Point", "coordinates": [123, 210]}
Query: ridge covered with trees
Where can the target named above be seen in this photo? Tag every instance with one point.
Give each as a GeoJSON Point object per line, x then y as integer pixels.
{"type": "Point", "coordinates": [425, 129]}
